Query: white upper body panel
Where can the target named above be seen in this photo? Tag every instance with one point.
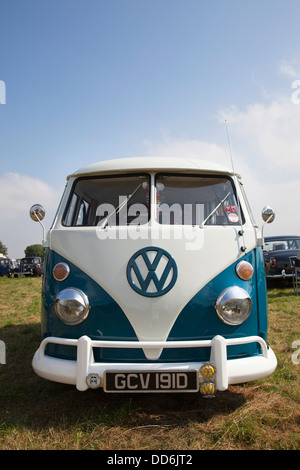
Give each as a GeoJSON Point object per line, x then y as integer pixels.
{"type": "Point", "coordinates": [122, 165]}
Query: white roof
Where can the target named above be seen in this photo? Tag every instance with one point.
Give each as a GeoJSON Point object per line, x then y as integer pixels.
{"type": "Point", "coordinates": [122, 165]}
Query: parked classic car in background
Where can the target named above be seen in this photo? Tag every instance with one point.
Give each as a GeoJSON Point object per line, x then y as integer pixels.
{"type": "Point", "coordinates": [6, 266]}
{"type": "Point", "coordinates": [30, 266]}
{"type": "Point", "coordinates": [278, 252]}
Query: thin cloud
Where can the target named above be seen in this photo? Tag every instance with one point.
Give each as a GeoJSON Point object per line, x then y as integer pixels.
{"type": "Point", "coordinates": [17, 194]}
{"type": "Point", "coordinates": [290, 68]}
{"type": "Point", "coordinates": [269, 133]}
{"type": "Point", "coordinates": [181, 148]}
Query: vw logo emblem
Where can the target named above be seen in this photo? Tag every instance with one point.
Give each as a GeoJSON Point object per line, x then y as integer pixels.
{"type": "Point", "coordinates": [151, 272]}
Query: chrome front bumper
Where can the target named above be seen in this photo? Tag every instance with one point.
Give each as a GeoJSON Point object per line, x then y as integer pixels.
{"type": "Point", "coordinates": [228, 372]}
{"type": "Point", "coordinates": [282, 275]}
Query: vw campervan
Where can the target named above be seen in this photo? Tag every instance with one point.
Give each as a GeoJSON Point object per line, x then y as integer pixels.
{"type": "Point", "coordinates": [154, 280]}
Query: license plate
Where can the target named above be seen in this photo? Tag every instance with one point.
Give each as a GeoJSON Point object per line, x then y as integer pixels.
{"type": "Point", "coordinates": [151, 381]}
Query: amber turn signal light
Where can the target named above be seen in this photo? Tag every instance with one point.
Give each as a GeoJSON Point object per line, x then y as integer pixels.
{"type": "Point", "coordinates": [61, 271]}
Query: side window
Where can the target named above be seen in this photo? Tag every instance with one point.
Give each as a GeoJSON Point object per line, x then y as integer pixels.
{"type": "Point", "coordinates": [83, 212]}
{"type": "Point", "coordinates": [77, 213]}
{"type": "Point", "coordinates": [71, 210]}
{"type": "Point", "coordinates": [247, 205]}
{"type": "Point", "coordinates": [294, 244]}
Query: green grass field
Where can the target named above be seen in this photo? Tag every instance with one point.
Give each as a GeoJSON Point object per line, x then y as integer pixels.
{"type": "Point", "coordinates": [38, 414]}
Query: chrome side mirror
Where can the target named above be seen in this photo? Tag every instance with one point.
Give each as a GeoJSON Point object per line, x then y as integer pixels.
{"type": "Point", "coordinates": [268, 214]}
{"type": "Point", "coordinates": [37, 213]}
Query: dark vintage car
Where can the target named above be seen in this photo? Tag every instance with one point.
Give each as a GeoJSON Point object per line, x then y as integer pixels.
{"type": "Point", "coordinates": [30, 266]}
{"type": "Point", "coordinates": [278, 253]}
{"type": "Point", "coordinates": [6, 267]}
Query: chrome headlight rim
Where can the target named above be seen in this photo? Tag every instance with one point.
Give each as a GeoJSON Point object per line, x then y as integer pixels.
{"type": "Point", "coordinates": [72, 294]}
{"type": "Point", "coordinates": [232, 294]}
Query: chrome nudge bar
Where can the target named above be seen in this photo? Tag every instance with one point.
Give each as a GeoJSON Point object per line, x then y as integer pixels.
{"type": "Point", "coordinates": [228, 371]}
{"type": "Point", "coordinates": [153, 344]}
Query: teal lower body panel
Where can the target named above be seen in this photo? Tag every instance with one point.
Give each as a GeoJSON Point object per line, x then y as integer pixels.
{"type": "Point", "coordinates": [197, 320]}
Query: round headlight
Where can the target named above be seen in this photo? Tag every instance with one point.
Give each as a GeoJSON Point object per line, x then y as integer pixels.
{"type": "Point", "coordinates": [72, 306]}
{"type": "Point", "coordinates": [244, 270]}
{"type": "Point", "coordinates": [233, 305]}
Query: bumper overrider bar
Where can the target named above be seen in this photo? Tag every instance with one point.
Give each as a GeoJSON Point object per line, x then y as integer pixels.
{"type": "Point", "coordinates": [217, 374]}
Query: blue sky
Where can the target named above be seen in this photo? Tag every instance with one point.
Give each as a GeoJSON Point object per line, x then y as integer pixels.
{"type": "Point", "coordinates": [88, 80]}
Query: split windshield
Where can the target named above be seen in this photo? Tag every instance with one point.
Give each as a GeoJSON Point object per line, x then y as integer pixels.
{"type": "Point", "coordinates": [176, 200]}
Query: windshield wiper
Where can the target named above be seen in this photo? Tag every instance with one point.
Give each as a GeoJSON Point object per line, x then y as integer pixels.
{"type": "Point", "coordinates": [104, 222]}
{"type": "Point", "coordinates": [214, 210]}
